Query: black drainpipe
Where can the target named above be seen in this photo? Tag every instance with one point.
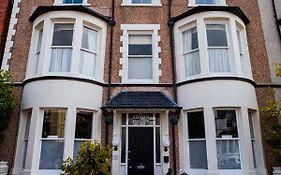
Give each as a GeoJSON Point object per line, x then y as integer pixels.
{"type": "Point", "coordinates": [112, 24]}
{"type": "Point", "coordinates": [276, 18]}
{"type": "Point", "coordinates": [171, 33]}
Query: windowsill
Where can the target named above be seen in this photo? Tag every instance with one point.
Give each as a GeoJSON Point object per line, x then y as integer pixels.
{"type": "Point", "coordinates": [141, 5]}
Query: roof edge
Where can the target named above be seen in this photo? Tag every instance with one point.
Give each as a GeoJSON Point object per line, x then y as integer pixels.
{"type": "Point", "coordinates": [199, 9]}
{"type": "Point", "coordinates": [40, 10]}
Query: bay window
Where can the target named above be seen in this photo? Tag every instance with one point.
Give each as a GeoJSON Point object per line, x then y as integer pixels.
{"type": "Point", "coordinates": [61, 48]}
{"type": "Point", "coordinates": [83, 130]}
{"type": "Point", "coordinates": [52, 140]}
{"type": "Point", "coordinates": [191, 52]}
{"type": "Point", "coordinates": [217, 48]}
{"type": "Point", "coordinates": [68, 45]}
{"type": "Point", "coordinates": [227, 139]}
{"type": "Point", "coordinates": [197, 140]}
{"type": "Point", "coordinates": [210, 47]}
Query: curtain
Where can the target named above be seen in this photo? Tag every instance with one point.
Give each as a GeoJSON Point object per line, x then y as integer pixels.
{"type": "Point", "coordinates": [218, 60]}
{"type": "Point", "coordinates": [191, 58]}
{"type": "Point", "coordinates": [60, 60]}
{"type": "Point", "coordinates": [87, 63]}
{"type": "Point", "coordinates": [192, 63]}
{"type": "Point", "coordinates": [140, 68]}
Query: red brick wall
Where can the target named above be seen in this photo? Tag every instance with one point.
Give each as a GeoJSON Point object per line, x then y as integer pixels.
{"type": "Point", "coordinates": [5, 10]}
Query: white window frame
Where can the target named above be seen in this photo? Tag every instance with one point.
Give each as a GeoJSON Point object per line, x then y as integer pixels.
{"type": "Point", "coordinates": [51, 139]}
{"type": "Point", "coordinates": [94, 127]}
{"type": "Point", "coordinates": [140, 29]}
{"type": "Point", "coordinates": [238, 139]}
{"type": "Point", "coordinates": [97, 52]}
{"type": "Point", "coordinates": [229, 46]}
{"type": "Point", "coordinates": [193, 3]}
{"type": "Point", "coordinates": [185, 28]}
{"type": "Point", "coordinates": [62, 47]}
{"type": "Point", "coordinates": [60, 2]}
{"type": "Point", "coordinates": [188, 140]}
{"type": "Point", "coordinates": [153, 3]}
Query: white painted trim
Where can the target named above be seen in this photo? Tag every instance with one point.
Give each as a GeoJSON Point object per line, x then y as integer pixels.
{"type": "Point", "coordinates": [156, 61]}
{"type": "Point", "coordinates": [11, 33]}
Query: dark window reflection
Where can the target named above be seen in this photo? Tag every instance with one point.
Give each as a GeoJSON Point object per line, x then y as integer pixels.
{"type": "Point", "coordinates": [196, 125]}
{"type": "Point", "coordinates": [84, 122]}
{"type": "Point", "coordinates": [226, 124]}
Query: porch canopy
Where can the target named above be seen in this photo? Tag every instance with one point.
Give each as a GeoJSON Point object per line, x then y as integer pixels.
{"type": "Point", "coordinates": [141, 100]}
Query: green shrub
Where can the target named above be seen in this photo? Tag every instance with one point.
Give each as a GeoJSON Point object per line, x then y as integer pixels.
{"type": "Point", "coordinates": [92, 159]}
{"type": "Point", "coordinates": [7, 102]}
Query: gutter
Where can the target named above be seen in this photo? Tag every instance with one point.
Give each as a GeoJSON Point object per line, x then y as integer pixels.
{"type": "Point", "coordinates": [112, 24]}
{"type": "Point", "coordinates": [171, 33]}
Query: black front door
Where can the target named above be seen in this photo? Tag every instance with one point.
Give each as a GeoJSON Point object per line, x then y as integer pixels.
{"type": "Point", "coordinates": [140, 151]}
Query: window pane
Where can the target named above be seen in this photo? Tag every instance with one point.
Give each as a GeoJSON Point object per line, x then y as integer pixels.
{"type": "Point", "coordinates": [198, 154]}
{"type": "Point", "coordinates": [140, 45]}
{"type": "Point", "coordinates": [39, 41]}
{"type": "Point", "coordinates": [192, 63]}
{"type": "Point", "coordinates": [140, 68]}
{"type": "Point", "coordinates": [141, 119]}
{"type": "Point", "coordinates": [72, 1]}
{"type": "Point", "coordinates": [124, 119]}
{"type": "Point", "coordinates": [141, 1]}
{"type": "Point", "coordinates": [61, 60]}
{"type": "Point", "coordinates": [89, 40]}
{"type": "Point", "coordinates": [53, 124]}
{"type": "Point", "coordinates": [63, 34]}
{"type": "Point", "coordinates": [76, 148]}
{"type": "Point", "coordinates": [196, 128]}
{"type": "Point", "coordinates": [216, 35]}
{"type": "Point", "coordinates": [190, 39]}
{"type": "Point", "coordinates": [207, 1]}
{"type": "Point", "coordinates": [226, 124]}
{"type": "Point", "coordinates": [251, 125]}
{"type": "Point", "coordinates": [228, 154]}
{"type": "Point", "coordinates": [218, 60]}
{"type": "Point", "coordinates": [157, 145]}
{"type": "Point", "coordinates": [84, 121]}
{"type": "Point", "coordinates": [123, 146]}
{"type": "Point", "coordinates": [26, 135]}
{"type": "Point", "coordinates": [51, 154]}
{"type": "Point", "coordinates": [87, 63]}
